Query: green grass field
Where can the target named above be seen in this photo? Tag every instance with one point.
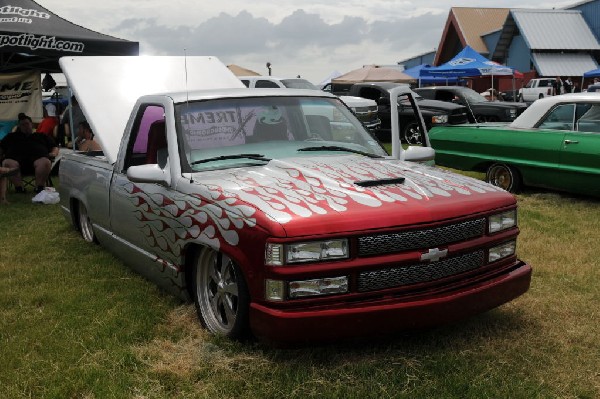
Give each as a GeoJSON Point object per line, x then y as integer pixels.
{"type": "Point", "coordinates": [77, 323]}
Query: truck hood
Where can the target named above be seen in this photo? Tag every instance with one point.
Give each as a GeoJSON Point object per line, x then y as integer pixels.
{"type": "Point", "coordinates": [336, 194]}
{"type": "Point", "coordinates": [108, 87]}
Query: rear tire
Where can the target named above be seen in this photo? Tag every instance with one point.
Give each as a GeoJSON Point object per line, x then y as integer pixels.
{"type": "Point", "coordinates": [220, 294]}
{"type": "Point", "coordinates": [504, 176]}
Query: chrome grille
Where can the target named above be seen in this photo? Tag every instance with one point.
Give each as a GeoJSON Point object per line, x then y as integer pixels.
{"type": "Point", "coordinates": [415, 239]}
{"type": "Point", "coordinates": [419, 272]}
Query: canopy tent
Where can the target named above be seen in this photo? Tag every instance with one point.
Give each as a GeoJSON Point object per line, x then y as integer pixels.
{"type": "Point", "coordinates": [373, 73]}
{"type": "Point", "coordinates": [467, 63]}
{"type": "Point", "coordinates": [241, 71]}
{"type": "Point", "coordinates": [31, 37]}
{"type": "Point", "coordinates": [594, 73]}
{"type": "Point", "coordinates": [415, 72]}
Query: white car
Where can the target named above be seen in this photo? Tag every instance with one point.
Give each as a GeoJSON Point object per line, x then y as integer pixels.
{"type": "Point", "coordinates": [364, 108]}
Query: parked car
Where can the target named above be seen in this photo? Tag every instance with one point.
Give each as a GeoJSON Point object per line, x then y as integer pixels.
{"type": "Point", "coordinates": [555, 144]}
{"type": "Point", "coordinates": [435, 113]}
{"type": "Point", "coordinates": [480, 109]}
{"type": "Point", "coordinates": [537, 88]}
{"type": "Point", "coordinates": [364, 109]}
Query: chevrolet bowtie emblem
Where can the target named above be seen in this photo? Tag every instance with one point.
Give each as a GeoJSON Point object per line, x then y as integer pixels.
{"type": "Point", "coordinates": [434, 254]}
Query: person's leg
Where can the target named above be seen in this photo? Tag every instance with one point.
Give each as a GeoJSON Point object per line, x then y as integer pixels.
{"type": "Point", "coordinates": [3, 184]}
{"type": "Point", "coordinates": [16, 179]}
{"type": "Point", "coordinates": [42, 167]}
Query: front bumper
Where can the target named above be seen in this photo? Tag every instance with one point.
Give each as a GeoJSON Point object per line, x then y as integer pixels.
{"type": "Point", "coordinates": [388, 314]}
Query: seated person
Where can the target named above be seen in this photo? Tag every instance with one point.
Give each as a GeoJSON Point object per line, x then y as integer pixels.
{"type": "Point", "coordinates": [30, 152]}
{"type": "Point", "coordinates": [85, 138]}
{"type": "Point", "coordinates": [50, 120]}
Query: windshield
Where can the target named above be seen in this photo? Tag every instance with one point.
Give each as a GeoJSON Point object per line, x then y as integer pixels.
{"type": "Point", "coordinates": [473, 97]}
{"type": "Point", "coordinates": [250, 131]}
{"type": "Point", "coordinates": [298, 84]}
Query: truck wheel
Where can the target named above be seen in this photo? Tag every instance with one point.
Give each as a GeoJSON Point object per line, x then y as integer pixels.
{"type": "Point", "coordinates": [520, 98]}
{"type": "Point", "coordinates": [220, 294]}
{"type": "Point", "coordinates": [504, 176]}
{"type": "Point", "coordinates": [85, 225]}
{"type": "Point", "coordinates": [412, 134]}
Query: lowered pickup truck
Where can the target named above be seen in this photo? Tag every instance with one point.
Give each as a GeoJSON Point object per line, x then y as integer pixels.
{"type": "Point", "coordinates": [274, 224]}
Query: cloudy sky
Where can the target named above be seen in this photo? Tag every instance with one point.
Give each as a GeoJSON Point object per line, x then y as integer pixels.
{"type": "Point", "coordinates": [310, 38]}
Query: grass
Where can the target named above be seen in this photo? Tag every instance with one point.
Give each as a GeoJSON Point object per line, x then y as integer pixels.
{"type": "Point", "coordinates": [77, 323]}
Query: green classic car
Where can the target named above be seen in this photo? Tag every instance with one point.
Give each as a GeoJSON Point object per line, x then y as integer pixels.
{"type": "Point", "coordinates": [554, 144]}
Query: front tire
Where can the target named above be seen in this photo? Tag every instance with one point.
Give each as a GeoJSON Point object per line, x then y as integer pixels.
{"type": "Point", "coordinates": [220, 294]}
{"type": "Point", "coordinates": [412, 134]}
{"type": "Point", "coordinates": [504, 176]}
{"type": "Point", "coordinates": [85, 225]}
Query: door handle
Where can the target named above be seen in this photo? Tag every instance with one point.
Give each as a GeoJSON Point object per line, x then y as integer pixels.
{"type": "Point", "coordinates": [571, 142]}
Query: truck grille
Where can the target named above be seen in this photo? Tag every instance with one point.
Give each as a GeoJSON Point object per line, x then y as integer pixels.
{"type": "Point", "coordinates": [419, 272]}
{"type": "Point", "coordinates": [415, 239]}
{"type": "Point", "coordinates": [458, 116]}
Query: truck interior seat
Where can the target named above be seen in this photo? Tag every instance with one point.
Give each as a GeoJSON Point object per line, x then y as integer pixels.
{"type": "Point", "coordinates": [157, 140]}
{"type": "Point", "coordinates": [269, 132]}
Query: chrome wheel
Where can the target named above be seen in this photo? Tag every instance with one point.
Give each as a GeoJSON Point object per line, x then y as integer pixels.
{"type": "Point", "coordinates": [220, 294]}
{"type": "Point", "coordinates": [503, 176]}
{"type": "Point", "coordinates": [412, 134]}
{"type": "Point", "coordinates": [85, 225]}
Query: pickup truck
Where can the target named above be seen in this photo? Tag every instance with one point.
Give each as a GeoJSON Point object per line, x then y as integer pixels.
{"type": "Point", "coordinates": [435, 113]}
{"type": "Point", "coordinates": [246, 202]}
{"type": "Point", "coordinates": [536, 89]}
{"type": "Point", "coordinates": [364, 109]}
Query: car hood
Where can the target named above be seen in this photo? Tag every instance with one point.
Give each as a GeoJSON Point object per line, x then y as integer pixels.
{"type": "Point", "coordinates": [296, 197]}
{"type": "Point", "coordinates": [499, 104]}
{"type": "Point", "coordinates": [439, 105]}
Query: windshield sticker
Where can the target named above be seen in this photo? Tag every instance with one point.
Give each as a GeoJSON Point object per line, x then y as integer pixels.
{"type": "Point", "coordinates": [212, 128]}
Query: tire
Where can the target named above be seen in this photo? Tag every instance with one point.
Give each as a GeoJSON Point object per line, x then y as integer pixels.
{"type": "Point", "coordinates": [504, 176]}
{"type": "Point", "coordinates": [85, 225]}
{"type": "Point", "coordinates": [520, 98]}
{"type": "Point", "coordinates": [220, 294]}
{"type": "Point", "coordinates": [412, 134]}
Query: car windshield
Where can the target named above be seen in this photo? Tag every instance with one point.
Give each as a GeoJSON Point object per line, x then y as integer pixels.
{"type": "Point", "coordinates": [298, 84]}
{"type": "Point", "coordinates": [473, 97]}
{"type": "Point", "coordinates": [251, 131]}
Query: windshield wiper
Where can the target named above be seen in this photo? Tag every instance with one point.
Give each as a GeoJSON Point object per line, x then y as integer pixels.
{"type": "Point", "coordinates": [256, 157]}
{"type": "Point", "coordinates": [339, 148]}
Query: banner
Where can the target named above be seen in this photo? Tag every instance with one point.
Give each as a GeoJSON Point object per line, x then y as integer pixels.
{"type": "Point", "coordinates": [20, 92]}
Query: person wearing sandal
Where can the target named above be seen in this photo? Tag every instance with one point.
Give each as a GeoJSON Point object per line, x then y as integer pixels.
{"type": "Point", "coordinates": [4, 174]}
{"type": "Point", "coordinates": [28, 152]}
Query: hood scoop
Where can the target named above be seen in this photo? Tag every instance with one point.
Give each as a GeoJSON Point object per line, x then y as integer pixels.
{"type": "Point", "coordinates": [379, 182]}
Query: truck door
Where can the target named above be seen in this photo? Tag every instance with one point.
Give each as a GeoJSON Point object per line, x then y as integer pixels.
{"type": "Point", "coordinates": [135, 206]}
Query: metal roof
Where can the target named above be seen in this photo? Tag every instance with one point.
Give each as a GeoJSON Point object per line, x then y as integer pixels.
{"type": "Point", "coordinates": [563, 64]}
{"type": "Point", "coordinates": [554, 30]}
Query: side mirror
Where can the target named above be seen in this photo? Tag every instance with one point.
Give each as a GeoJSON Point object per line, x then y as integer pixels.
{"type": "Point", "coordinates": [150, 173]}
{"type": "Point", "coordinates": [420, 154]}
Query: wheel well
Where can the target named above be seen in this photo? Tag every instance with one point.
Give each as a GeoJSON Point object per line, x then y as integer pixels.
{"type": "Point", "coordinates": [74, 206]}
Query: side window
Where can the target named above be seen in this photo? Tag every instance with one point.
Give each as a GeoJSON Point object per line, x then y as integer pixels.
{"type": "Point", "coordinates": [265, 84]}
{"type": "Point", "coordinates": [246, 82]}
{"type": "Point", "coordinates": [544, 83]}
{"type": "Point", "coordinates": [529, 84]}
{"type": "Point", "coordinates": [560, 118]}
{"type": "Point", "coordinates": [588, 118]}
{"type": "Point", "coordinates": [148, 137]}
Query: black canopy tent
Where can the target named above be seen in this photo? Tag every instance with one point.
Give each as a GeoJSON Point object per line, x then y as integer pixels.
{"type": "Point", "coordinates": [31, 37]}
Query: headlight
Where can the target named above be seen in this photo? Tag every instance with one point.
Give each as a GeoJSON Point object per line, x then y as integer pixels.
{"type": "Point", "coordinates": [511, 112]}
{"type": "Point", "coordinates": [502, 251]}
{"type": "Point", "coordinates": [302, 252]}
{"type": "Point", "coordinates": [275, 290]}
{"type": "Point", "coordinates": [502, 221]}
{"type": "Point", "coordinates": [439, 119]}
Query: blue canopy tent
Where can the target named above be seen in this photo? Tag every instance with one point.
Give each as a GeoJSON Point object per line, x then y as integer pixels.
{"type": "Point", "coordinates": [415, 72]}
{"type": "Point", "coordinates": [594, 73]}
{"type": "Point", "coordinates": [467, 63]}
